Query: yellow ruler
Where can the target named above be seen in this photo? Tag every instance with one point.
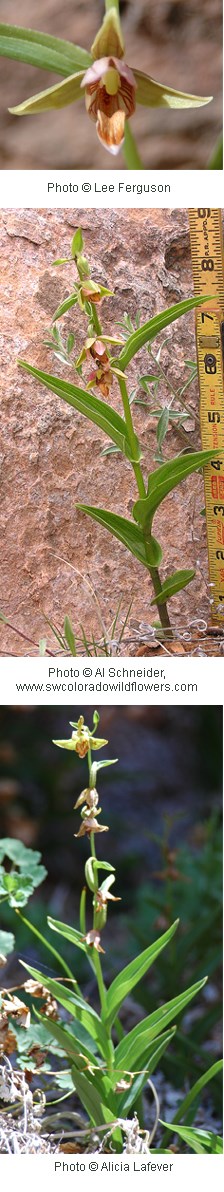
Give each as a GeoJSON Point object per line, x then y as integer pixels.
{"type": "Point", "coordinates": [208, 274]}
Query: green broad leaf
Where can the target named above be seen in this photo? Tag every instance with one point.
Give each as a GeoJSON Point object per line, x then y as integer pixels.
{"type": "Point", "coordinates": [164, 479]}
{"type": "Point", "coordinates": [156, 95]}
{"type": "Point", "coordinates": [175, 583]}
{"type": "Point", "coordinates": [90, 1098]}
{"type": "Point", "coordinates": [200, 1141]}
{"type": "Point", "coordinates": [126, 531]}
{"type": "Point", "coordinates": [7, 943]}
{"type": "Point", "coordinates": [70, 637]}
{"type": "Point", "coordinates": [92, 407]}
{"type": "Point", "coordinates": [42, 50]}
{"type": "Point", "coordinates": [56, 97]}
{"type": "Point", "coordinates": [147, 333]}
{"type": "Point", "coordinates": [76, 1006]}
{"type": "Point", "coordinates": [69, 933]}
{"type": "Point", "coordinates": [66, 305]}
{"type": "Point", "coordinates": [154, 1053]}
{"type": "Point", "coordinates": [134, 1045]}
{"type": "Point", "coordinates": [78, 1053]}
{"type": "Point", "coordinates": [68, 1042]}
{"type": "Point", "coordinates": [129, 977]}
{"type": "Point", "coordinates": [196, 1089]}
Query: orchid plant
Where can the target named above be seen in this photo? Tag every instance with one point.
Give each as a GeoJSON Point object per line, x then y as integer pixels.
{"type": "Point", "coordinates": [110, 87]}
{"type": "Point", "coordinates": [135, 533]}
{"type": "Point", "coordinates": [108, 1067]}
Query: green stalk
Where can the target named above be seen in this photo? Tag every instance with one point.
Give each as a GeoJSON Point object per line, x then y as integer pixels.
{"type": "Point", "coordinates": [130, 151]}
{"type": "Point", "coordinates": [154, 573]}
{"type": "Point", "coordinates": [51, 949]}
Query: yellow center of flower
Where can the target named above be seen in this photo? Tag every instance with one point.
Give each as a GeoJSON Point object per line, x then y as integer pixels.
{"type": "Point", "coordinates": [111, 80]}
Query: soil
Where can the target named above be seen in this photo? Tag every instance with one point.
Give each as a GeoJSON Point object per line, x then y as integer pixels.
{"type": "Point", "coordinates": [175, 41]}
{"type": "Point", "coordinates": [51, 457]}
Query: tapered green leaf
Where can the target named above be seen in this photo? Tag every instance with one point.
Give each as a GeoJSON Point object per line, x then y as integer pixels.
{"type": "Point", "coordinates": [134, 1045]}
{"type": "Point", "coordinates": [90, 1098]}
{"type": "Point", "coordinates": [70, 637]}
{"type": "Point", "coordinates": [66, 305]}
{"type": "Point", "coordinates": [42, 50]}
{"type": "Point", "coordinates": [175, 583]}
{"type": "Point", "coordinates": [126, 531]}
{"type": "Point", "coordinates": [129, 977]}
{"type": "Point", "coordinates": [76, 1006]}
{"type": "Point", "coordinates": [82, 1057]}
{"type": "Point", "coordinates": [164, 479]}
{"type": "Point", "coordinates": [200, 1141]}
{"type": "Point", "coordinates": [196, 1089]}
{"type": "Point", "coordinates": [147, 333]}
{"type": "Point", "coordinates": [55, 97]}
{"type": "Point", "coordinates": [69, 933]}
{"type": "Point", "coordinates": [154, 1053]}
{"type": "Point", "coordinates": [92, 407]}
{"type": "Point", "coordinates": [156, 95]}
{"type": "Point", "coordinates": [68, 1040]}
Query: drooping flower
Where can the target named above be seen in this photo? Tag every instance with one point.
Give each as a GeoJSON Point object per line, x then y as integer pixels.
{"type": "Point", "coordinates": [89, 796]}
{"type": "Point", "coordinates": [102, 897]}
{"type": "Point", "coordinates": [89, 825]}
{"type": "Point", "coordinates": [112, 88]}
{"type": "Point", "coordinates": [93, 940]}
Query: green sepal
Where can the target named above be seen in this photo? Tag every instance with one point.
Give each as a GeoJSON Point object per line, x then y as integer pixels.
{"type": "Point", "coordinates": [156, 95]}
{"type": "Point", "coordinates": [57, 97]}
{"type": "Point", "coordinates": [109, 40]}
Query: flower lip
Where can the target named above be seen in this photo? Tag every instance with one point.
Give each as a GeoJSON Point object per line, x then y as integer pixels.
{"type": "Point", "coordinates": [110, 99]}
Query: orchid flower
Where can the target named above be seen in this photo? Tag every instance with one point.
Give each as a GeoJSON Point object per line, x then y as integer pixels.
{"type": "Point", "coordinates": [111, 87]}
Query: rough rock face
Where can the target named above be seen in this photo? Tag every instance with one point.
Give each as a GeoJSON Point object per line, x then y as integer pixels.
{"type": "Point", "coordinates": [51, 456]}
{"type": "Point", "coordinates": [177, 42]}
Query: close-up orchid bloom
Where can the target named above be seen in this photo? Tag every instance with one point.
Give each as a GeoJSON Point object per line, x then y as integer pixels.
{"type": "Point", "coordinates": [111, 87]}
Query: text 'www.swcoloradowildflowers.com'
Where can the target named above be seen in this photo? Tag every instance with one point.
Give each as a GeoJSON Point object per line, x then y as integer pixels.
{"type": "Point", "coordinates": [116, 680]}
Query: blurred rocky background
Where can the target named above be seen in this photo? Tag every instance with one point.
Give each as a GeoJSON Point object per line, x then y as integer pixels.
{"type": "Point", "coordinates": [177, 42]}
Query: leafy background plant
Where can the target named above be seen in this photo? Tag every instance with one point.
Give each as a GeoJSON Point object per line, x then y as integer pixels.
{"type": "Point", "coordinates": [44, 522]}
{"type": "Point", "coordinates": [187, 829]}
{"type": "Point", "coordinates": [170, 46]}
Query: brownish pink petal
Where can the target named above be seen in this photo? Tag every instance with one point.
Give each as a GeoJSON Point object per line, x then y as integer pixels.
{"type": "Point", "coordinates": [93, 940]}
